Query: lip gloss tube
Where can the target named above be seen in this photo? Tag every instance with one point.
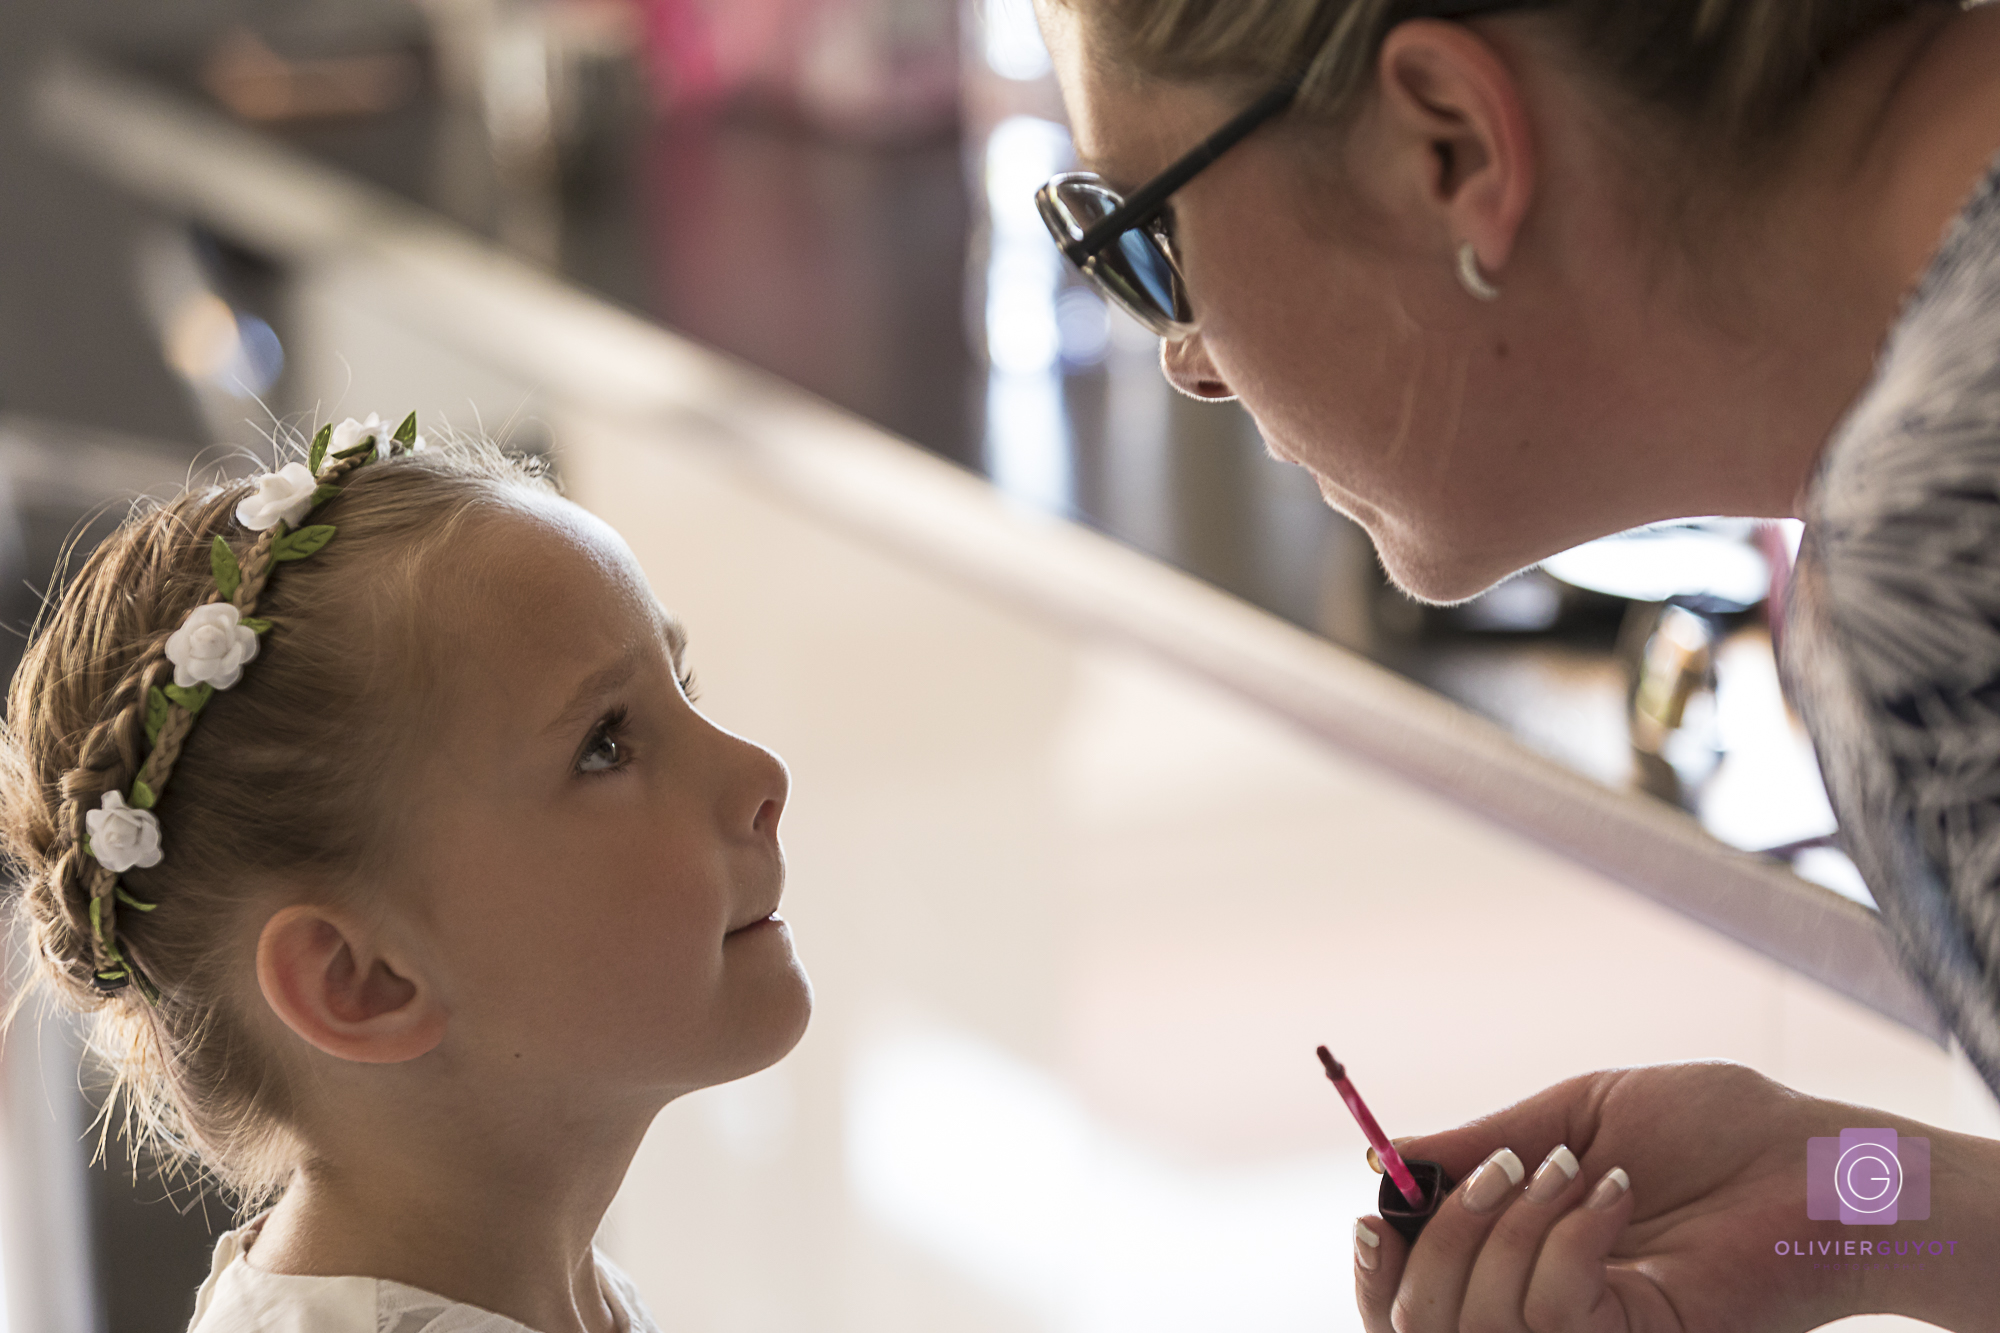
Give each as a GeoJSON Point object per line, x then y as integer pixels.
{"type": "Point", "coordinates": [1411, 1191]}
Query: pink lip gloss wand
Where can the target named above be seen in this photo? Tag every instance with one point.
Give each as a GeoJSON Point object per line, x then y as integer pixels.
{"type": "Point", "coordinates": [1411, 1191]}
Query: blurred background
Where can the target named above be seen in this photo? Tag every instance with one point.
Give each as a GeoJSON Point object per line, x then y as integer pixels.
{"type": "Point", "coordinates": [836, 194]}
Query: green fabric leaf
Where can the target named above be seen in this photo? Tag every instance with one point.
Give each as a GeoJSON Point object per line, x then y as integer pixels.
{"type": "Point", "coordinates": [406, 434]}
{"type": "Point", "coordinates": [298, 545]}
{"type": "Point", "coordinates": [132, 902]}
{"type": "Point", "coordinates": [156, 715]}
{"type": "Point", "coordinates": [323, 494]}
{"type": "Point", "coordinates": [190, 700]}
{"type": "Point", "coordinates": [317, 454]}
{"type": "Point", "coordinates": [222, 560]}
{"type": "Point", "coordinates": [255, 624]}
{"type": "Point", "coordinates": [356, 450]}
{"type": "Point", "coordinates": [86, 847]}
{"type": "Point", "coordinates": [142, 797]}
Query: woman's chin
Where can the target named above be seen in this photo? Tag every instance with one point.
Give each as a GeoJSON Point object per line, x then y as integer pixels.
{"type": "Point", "coordinates": [1435, 575]}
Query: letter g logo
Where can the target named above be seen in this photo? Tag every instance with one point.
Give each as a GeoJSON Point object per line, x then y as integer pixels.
{"type": "Point", "coordinates": [1868, 1177]}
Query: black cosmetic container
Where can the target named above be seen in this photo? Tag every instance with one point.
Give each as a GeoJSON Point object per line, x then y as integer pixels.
{"type": "Point", "coordinates": [1432, 1180]}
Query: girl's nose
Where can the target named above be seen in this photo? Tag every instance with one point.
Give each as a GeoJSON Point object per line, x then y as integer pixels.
{"type": "Point", "coordinates": [767, 783]}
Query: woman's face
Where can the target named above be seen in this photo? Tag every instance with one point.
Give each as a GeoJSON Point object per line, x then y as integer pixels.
{"type": "Point", "coordinates": [1329, 304]}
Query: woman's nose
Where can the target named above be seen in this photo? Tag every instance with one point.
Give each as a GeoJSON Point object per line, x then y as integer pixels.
{"type": "Point", "coordinates": [1186, 365]}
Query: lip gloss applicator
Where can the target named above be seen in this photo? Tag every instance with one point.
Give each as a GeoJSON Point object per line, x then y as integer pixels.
{"type": "Point", "coordinates": [1411, 1191]}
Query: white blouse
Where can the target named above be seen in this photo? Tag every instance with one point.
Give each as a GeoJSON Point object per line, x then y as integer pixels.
{"type": "Point", "coordinates": [241, 1298]}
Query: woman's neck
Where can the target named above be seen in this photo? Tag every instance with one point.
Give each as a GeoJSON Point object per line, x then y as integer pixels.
{"type": "Point", "coordinates": [1899, 136]}
{"type": "Point", "coordinates": [1885, 156]}
{"type": "Point", "coordinates": [486, 1215]}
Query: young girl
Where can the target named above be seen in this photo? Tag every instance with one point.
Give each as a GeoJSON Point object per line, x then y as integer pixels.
{"type": "Point", "coordinates": [366, 806]}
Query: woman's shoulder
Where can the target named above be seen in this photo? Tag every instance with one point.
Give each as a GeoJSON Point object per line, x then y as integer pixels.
{"type": "Point", "coordinates": [1903, 511]}
{"type": "Point", "coordinates": [1893, 632]}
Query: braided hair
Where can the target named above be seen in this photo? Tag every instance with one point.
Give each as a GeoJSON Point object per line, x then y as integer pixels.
{"type": "Point", "coordinates": [277, 792]}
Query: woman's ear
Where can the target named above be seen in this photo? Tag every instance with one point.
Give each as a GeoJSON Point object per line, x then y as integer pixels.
{"type": "Point", "coordinates": [329, 979]}
{"type": "Point", "coordinates": [1459, 120]}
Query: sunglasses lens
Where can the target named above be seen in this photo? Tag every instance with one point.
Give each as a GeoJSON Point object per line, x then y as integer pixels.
{"type": "Point", "coordinates": [1137, 270]}
{"type": "Point", "coordinates": [1147, 269]}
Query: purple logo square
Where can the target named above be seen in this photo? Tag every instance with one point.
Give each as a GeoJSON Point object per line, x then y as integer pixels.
{"type": "Point", "coordinates": [1868, 1177]}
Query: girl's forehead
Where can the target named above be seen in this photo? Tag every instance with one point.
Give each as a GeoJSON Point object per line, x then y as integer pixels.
{"type": "Point", "coordinates": [550, 567]}
{"type": "Point", "coordinates": [555, 606]}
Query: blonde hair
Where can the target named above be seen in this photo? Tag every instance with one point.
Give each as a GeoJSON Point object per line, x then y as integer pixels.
{"type": "Point", "coordinates": [279, 783]}
{"type": "Point", "coordinates": [1733, 71]}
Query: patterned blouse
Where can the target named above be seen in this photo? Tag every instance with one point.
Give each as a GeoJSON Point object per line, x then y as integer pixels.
{"type": "Point", "coordinates": [1893, 629]}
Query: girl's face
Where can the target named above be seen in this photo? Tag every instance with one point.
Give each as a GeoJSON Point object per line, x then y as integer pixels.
{"type": "Point", "coordinates": [597, 862]}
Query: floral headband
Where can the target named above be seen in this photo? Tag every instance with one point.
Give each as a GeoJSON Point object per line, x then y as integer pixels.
{"type": "Point", "coordinates": [208, 652]}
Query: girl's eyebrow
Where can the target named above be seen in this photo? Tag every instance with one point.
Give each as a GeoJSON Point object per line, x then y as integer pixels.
{"type": "Point", "coordinates": [676, 636]}
{"type": "Point", "coordinates": [613, 675]}
{"type": "Point", "coordinates": [593, 688]}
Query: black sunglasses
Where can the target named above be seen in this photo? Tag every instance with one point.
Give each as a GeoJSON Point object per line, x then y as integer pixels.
{"type": "Point", "coordinates": [1124, 246]}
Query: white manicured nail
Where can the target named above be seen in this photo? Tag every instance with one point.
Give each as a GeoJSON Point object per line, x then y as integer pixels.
{"type": "Point", "coordinates": [1553, 1176]}
{"type": "Point", "coordinates": [1366, 1242]}
{"type": "Point", "coordinates": [1610, 1189]}
{"type": "Point", "coordinates": [1493, 1181]}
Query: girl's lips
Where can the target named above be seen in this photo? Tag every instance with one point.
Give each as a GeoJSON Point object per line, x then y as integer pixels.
{"type": "Point", "coordinates": [772, 920]}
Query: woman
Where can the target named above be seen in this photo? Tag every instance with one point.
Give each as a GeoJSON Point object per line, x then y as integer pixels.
{"type": "Point", "coordinates": [1508, 277]}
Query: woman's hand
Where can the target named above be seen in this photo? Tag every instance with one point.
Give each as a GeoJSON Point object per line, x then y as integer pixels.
{"type": "Point", "coordinates": [1685, 1179]}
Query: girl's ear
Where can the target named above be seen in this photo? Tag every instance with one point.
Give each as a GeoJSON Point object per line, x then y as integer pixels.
{"type": "Point", "coordinates": [329, 980]}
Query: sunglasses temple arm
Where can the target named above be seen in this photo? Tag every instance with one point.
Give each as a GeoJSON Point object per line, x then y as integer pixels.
{"type": "Point", "coordinates": [1143, 206]}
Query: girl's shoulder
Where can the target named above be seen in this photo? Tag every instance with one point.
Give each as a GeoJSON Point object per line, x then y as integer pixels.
{"type": "Point", "coordinates": [241, 1298]}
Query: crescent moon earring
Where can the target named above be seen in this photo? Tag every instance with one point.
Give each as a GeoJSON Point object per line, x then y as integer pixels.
{"type": "Point", "coordinates": [1469, 276]}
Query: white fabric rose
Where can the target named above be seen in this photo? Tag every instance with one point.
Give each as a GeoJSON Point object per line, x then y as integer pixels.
{"type": "Point", "coordinates": [351, 432]}
{"type": "Point", "coordinates": [285, 494]}
{"type": "Point", "coordinates": [121, 837]}
{"type": "Point", "coordinates": [211, 647]}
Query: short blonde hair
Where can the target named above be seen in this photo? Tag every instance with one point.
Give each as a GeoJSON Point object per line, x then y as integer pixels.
{"type": "Point", "coordinates": [281, 780]}
{"type": "Point", "coordinates": [1732, 70]}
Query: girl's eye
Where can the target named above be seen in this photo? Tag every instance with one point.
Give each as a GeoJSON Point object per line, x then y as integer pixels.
{"type": "Point", "coordinates": [689, 690]}
{"type": "Point", "coordinates": [604, 752]}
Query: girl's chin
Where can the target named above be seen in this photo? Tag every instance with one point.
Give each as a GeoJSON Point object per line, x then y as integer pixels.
{"type": "Point", "coordinates": [778, 1027]}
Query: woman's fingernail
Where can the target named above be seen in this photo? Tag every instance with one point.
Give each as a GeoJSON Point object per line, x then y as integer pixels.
{"type": "Point", "coordinates": [1493, 1181]}
{"type": "Point", "coordinates": [1610, 1189]}
{"type": "Point", "coordinates": [1366, 1242]}
{"type": "Point", "coordinates": [1553, 1176]}
{"type": "Point", "coordinates": [1375, 1163]}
